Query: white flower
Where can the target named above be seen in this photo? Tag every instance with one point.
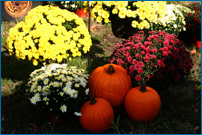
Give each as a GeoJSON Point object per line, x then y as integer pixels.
{"type": "Point", "coordinates": [64, 79]}
{"type": "Point", "coordinates": [73, 5]}
{"type": "Point", "coordinates": [67, 89]}
{"type": "Point", "coordinates": [69, 78]}
{"type": "Point", "coordinates": [73, 94]}
{"type": "Point", "coordinates": [77, 114]}
{"type": "Point", "coordinates": [55, 84]}
{"type": "Point", "coordinates": [69, 84]}
{"type": "Point", "coordinates": [63, 108]}
{"type": "Point", "coordinates": [87, 91]}
{"type": "Point", "coordinates": [37, 97]}
{"type": "Point", "coordinates": [33, 100]}
{"type": "Point", "coordinates": [83, 84]}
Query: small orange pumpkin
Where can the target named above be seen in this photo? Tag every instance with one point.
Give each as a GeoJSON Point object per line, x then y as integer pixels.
{"type": "Point", "coordinates": [97, 115]}
{"type": "Point", "coordinates": [142, 104]}
{"type": "Point", "coordinates": [110, 82]}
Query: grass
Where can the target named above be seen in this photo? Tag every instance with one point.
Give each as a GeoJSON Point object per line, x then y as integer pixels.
{"type": "Point", "coordinates": [180, 112]}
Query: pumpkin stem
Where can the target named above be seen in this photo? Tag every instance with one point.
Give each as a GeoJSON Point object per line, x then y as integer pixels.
{"type": "Point", "coordinates": [143, 85]}
{"type": "Point", "coordinates": [92, 99]}
{"type": "Point", "coordinates": [110, 69]}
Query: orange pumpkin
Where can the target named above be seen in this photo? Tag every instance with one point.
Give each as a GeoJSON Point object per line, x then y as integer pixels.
{"type": "Point", "coordinates": [110, 82]}
{"type": "Point", "coordinates": [142, 103]}
{"type": "Point", "coordinates": [97, 115]}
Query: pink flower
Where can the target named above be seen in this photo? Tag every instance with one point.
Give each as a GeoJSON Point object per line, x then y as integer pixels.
{"type": "Point", "coordinates": [127, 54]}
{"type": "Point", "coordinates": [148, 76]}
{"type": "Point", "coordinates": [136, 46]}
{"type": "Point", "coordinates": [165, 53]}
{"type": "Point", "coordinates": [136, 67]}
{"type": "Point", "coordinates": [148, 54]}
{"type": "Point", "coordinates": [134, 61]}
{"type": "Point", "coordinates": [143, 47]}
{"type": "Point", "coordinates": [170, 47]}
{"type": "Point", "coordinates": [131, 72]}
{"type": "Point", "coordinates": [166, 42]}
{"type": "Point", "coordinates": [140, 71]}
{"type": "Point", "coordinates": [119, 59]}
{"type": "Point", "coordinates": [128, 48]}
{"type": "Point", "coordinates": [146, 58]}
{"type": "Point", "coordinates": [176, 49]}
{"type": "Point", "coordinates": [137, 78]}
{"type": "Point", "coordinates": [137, 55]}
{"type": "Point", "coordinates": [160, 62]}
{"type": "Point", "coordinates": [154, 50]}
{"type": "Point", "coordinates": [146, 43]}
{"type": "Point", "coordinates": [142, 52]}
{"type": "Point", "coordinates": [131, 67]}
{"type": "Point", "coordinates": [141, 64]}
{"type": "Point", "coordinates": [148, 50]}
{"type": "Point", "coordinates": [165, 48]}
{"type": "Point", "coordinates": [153, 56]}
{"type": "Point", "coordinates": [129, 59]}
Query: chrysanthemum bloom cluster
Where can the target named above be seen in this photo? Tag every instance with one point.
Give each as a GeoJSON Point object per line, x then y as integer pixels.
{"type": "Point", "coordinates": [174, 21]}
{"type": "Point", "coordinates": [141, 12]}
{"type": "Point", "coordinates": [160, 56]}
{"type": "Point", "coordinates": [69, 5]}
{"type": "Point", "coordinates": [49, 34]}
{"type": "Point", "coordinates": [57, 87]}
{"type": "Point", "coordinates": [193, 20]}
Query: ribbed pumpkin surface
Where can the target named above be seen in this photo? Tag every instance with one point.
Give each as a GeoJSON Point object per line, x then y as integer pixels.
{"type": "Point", "coordinates": [112, 87]}
{"type": "Point", "coordinates": [98, 117]}
{"type": "Point", "coordinates": [142, 106]}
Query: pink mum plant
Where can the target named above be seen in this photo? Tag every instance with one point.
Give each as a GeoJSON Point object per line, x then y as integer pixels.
{"type": "Point", "coordinates": [156, 56]}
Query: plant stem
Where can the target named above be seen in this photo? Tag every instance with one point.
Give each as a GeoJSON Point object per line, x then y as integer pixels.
{"type": "Point", "coordinates": [143, 85]}
{"type": "Point", "coordinates": [110, 69]}
{"type": "Point", "coordinates": [92, 99]}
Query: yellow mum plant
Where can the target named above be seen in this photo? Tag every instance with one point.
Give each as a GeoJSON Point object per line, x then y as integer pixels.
{"type": "Point", "coordinates": [142, 13]}
{"type": "Point", "coordinates": [49, 34]}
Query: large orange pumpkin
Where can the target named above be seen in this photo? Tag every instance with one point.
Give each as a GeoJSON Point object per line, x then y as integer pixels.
{"type": "Point", "coordinates": [97, 115]}
{"type": "Point", "coordinates": [110, 82]}
{"type": "Point", "coordinates": [142, 104]}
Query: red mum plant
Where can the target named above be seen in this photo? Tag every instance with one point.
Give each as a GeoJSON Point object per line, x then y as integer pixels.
{"type": "Point", "coordinates": [156, 56]}
{"type": "Point", "coordinates": [193, 20]}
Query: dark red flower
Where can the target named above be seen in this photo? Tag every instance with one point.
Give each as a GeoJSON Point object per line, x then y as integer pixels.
{"type": "Point", "coordinates": [176, 77]}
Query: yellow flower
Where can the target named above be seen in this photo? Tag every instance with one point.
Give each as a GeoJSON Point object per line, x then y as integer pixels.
{"type": "Point", "coordinates": [99, 19]}
{"type": "Point", "coordinates": [35, 62]}
{"type": "Point", "coordinates": [105, 15]}
{"type": "Point", "coordinates": [122, 14]}
{"type": "Point", "coordinates": [129, 13]}
{"type": "Point", "coordinates": [45, 41]}
{"type": "Point", "coordinates": [115, 11]}
{"type": "Point", "coordinates": [135, 24]}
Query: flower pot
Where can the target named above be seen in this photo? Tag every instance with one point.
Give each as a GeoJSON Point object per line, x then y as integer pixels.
{"type": "Point", "coordinates": [198, 44]}
{"type": "Point", "coordinates": [55, 118]}
{"type": "Point", "coordinates": [81, 13]}
{"type": "Point", "coordinates": [121, 28]}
